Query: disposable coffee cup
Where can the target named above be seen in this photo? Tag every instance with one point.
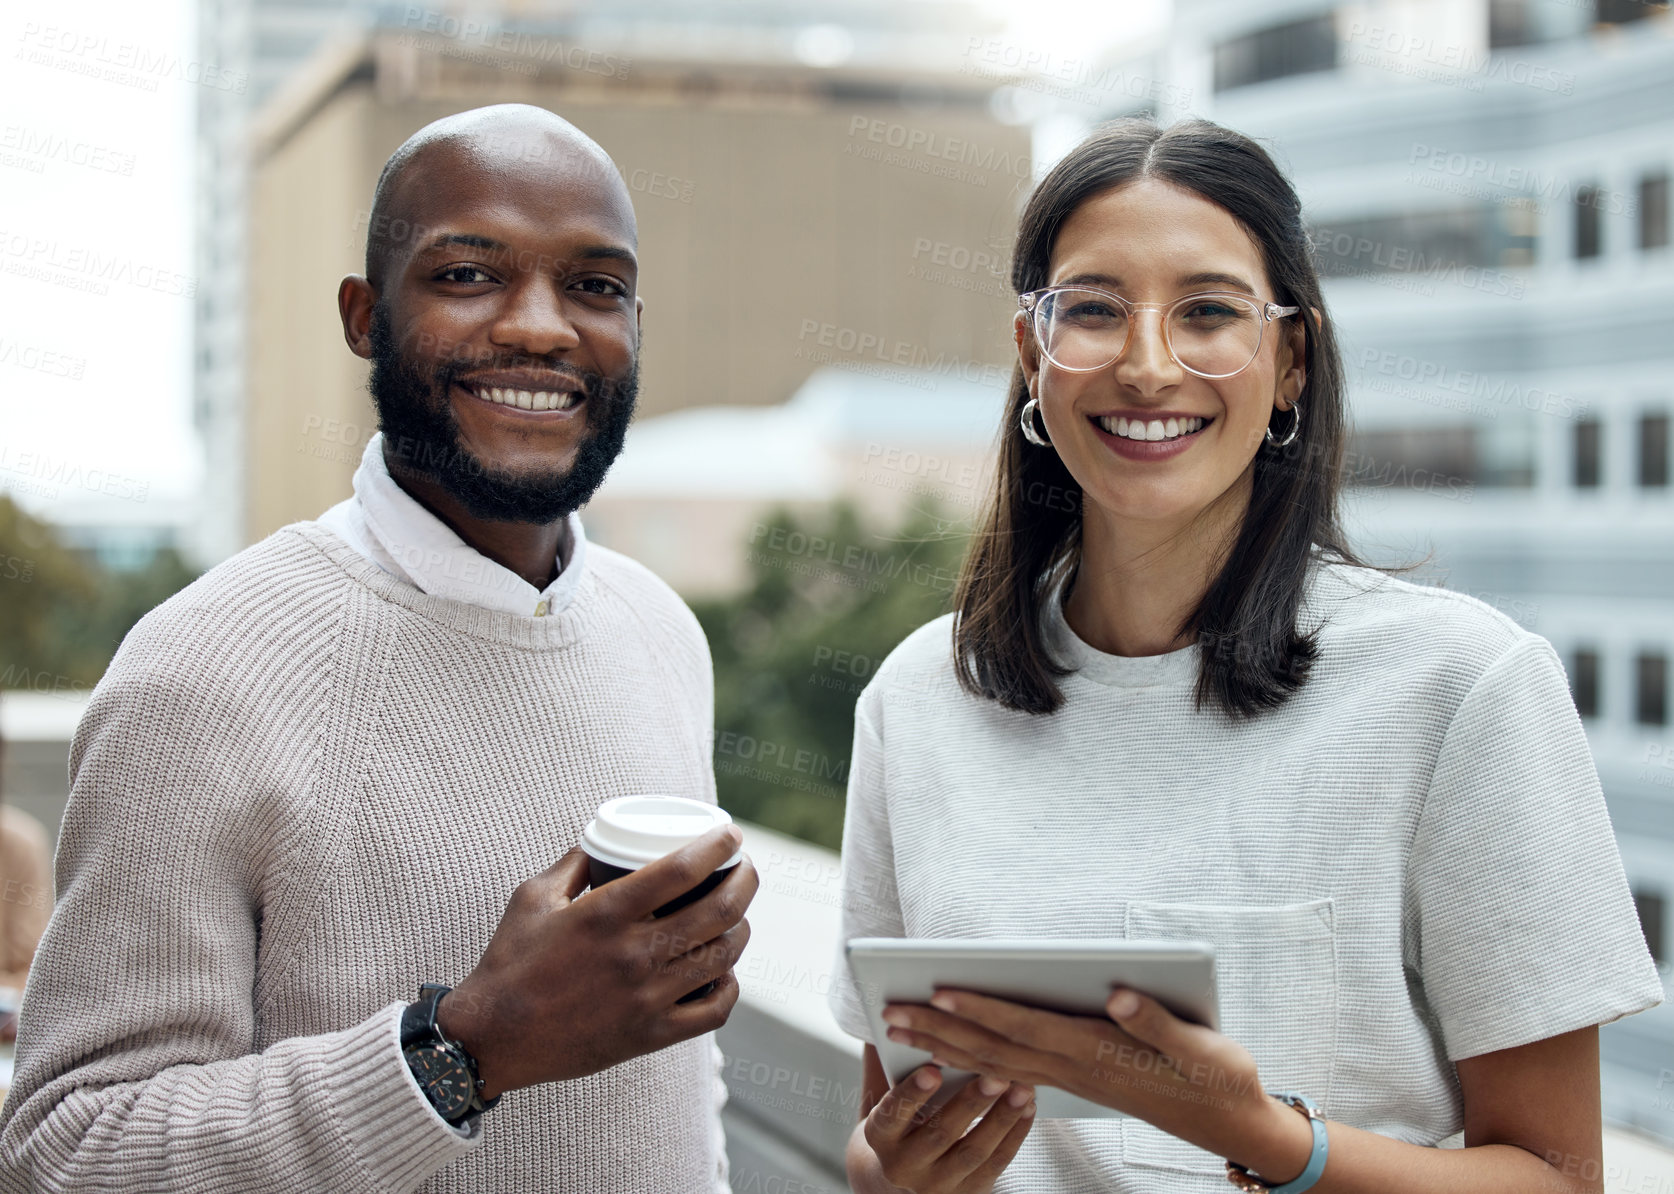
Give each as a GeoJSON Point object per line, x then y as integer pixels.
{"type": "Point", "coordinates": [633, 831]}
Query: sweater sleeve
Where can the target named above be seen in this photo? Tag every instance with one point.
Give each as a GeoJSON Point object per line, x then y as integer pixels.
{"type": "Point", "coordinates": [136, 1064]}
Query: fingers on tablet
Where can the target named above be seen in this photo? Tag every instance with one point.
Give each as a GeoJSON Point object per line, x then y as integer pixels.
{"type": "Point", "coordinates": [912, 1142]}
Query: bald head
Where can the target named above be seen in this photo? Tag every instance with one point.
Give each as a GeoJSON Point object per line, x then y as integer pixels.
{"type": "Point", "coordinates": [513, 143]}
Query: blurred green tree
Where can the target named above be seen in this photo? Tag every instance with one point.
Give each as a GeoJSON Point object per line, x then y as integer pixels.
{"type": "Point", "coordinates": [829, 597]}
{"type": "Point", "coordinates": [62, 614]}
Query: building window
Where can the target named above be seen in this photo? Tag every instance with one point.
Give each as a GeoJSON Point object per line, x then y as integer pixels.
{"type": "Point", "coordinates": [1443, 462]}
{"type": "Point", "coordinates": [1651, 682]}
{"type": "Point", "coordinates": [1508, 24]}
{"type": "Point", "coordinates": [1589, 444]}
{"type": "Point", "coordinates": [1620, 12]}
{"type": "Point", "coordinates": [1447, 244]}
{"type": "Point", "coordinates": [1653, 211]}
{"type": "Point", "coordinates": [1295, 48]}
{"type": "Point", "coordinates": [1583, 681]}
{"type": "Point", "coordinates": [1587, 240]}
{"type": "Point", "coordinates": [1653, 912]}
{"type": "Point", "coordinates": [1653, 451]}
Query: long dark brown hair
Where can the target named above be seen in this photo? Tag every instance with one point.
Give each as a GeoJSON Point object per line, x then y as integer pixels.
{"type": "Point", "coordinates": [1253, 654]}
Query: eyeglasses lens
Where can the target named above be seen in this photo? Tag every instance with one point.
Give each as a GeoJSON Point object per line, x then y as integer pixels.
{"type": "Point", "coordinates": [1210, 335]}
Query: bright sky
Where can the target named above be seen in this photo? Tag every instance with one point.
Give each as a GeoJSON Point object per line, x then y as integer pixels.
{"type": "Point", "coordinates": [96, 261]}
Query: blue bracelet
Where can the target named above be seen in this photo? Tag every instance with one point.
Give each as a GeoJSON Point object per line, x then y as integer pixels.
{"type": "Point", "coordinates": [1240, 1176]}
{"type": "Point", "coordinates": [1316, 1159]}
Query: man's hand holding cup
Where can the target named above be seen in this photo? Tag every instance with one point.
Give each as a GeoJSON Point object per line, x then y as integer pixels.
{"type": "Point", "coordinates": [572, 984]}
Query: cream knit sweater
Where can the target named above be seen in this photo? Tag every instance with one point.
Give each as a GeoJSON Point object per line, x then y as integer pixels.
{"type": "Point", "coordinates": [302, 788]}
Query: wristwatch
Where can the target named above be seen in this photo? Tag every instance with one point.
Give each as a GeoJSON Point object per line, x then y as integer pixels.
{"type": "Point", "coordinates": [445, 1071]}
{"type": "Point", "coordinates": [1242, 1178]}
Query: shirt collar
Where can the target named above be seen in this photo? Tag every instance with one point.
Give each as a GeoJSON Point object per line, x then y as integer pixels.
{"type": "Point", "coordinates": [403, 538]}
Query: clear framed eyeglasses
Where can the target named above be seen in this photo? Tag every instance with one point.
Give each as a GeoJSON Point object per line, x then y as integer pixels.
{"type": "Point", "coordinates": [1213, 334]}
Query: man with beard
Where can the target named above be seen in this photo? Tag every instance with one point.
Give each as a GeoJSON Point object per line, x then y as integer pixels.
{"type": "Point", "coordinates": [342, 764]}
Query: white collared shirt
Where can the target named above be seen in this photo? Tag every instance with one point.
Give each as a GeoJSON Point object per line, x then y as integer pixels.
{"type": "Point", "coordinates": [387, 525]}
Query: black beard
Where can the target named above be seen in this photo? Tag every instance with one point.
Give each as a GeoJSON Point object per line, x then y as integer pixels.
{"type": "Point", "coordinates": [421, 433]}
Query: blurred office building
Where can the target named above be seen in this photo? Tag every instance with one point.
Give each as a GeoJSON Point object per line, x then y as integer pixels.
{"type": "Point", "coordinates": [797, 169]}
{"type": "Point", "coordinates": [690, 494]}
{"type": "Point", "coordinates": [1488, 187]}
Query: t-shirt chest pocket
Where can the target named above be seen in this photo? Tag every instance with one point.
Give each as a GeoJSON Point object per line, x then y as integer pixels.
{"type": "Point", "coordinates": [1276, 976]}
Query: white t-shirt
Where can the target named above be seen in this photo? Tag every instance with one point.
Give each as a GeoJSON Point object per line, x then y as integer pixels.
{"type": "Point", "coordinates": [1406, 864]}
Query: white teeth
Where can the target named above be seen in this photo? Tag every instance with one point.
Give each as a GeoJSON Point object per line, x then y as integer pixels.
{"type": "Point", "coordinates": [1156, 429]}
{"type": "Point", "coordinates": [529, 399]}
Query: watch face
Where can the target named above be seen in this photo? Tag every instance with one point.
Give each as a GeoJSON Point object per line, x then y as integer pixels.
{"type": "Point", "coordinates": [444, 1078]}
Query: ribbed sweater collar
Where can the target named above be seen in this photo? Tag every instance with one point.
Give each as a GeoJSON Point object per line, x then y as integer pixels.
{"type": "Point", "coordinates": [489, 625]}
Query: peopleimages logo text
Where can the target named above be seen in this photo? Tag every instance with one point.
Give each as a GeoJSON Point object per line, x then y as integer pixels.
{"type": "Point", "coordinates": [932, 144]}
{"type": "Point", "coordinates": [147, 63]}
{"type": "Point", "coordinates": [1522, 179]}
{"type": "Point", "coordinates": [491, 35]}
{"type": "Point", "coordinates": [858, 342]}
{"type": "Point", "coordinates": [1471, 383]}
{"type": "Point", "coordinates": [1414, 49]}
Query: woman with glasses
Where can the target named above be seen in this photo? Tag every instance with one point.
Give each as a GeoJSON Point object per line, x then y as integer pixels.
{"type": "Point", "coordinates": [1172, 704]}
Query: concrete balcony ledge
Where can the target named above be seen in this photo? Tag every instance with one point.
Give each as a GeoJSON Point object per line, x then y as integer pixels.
{"type": "Point", "coordinates": [793, 1077]}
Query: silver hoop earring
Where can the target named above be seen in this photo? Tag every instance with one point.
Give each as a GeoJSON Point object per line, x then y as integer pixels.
{"type": "Point", "coordinates": [1295, 429]}
{"type": "Point", "coordinates": [1029, 433]}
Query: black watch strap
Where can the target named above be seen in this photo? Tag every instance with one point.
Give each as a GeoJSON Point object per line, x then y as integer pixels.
{"type": "Point", "coordinates": [419, 1028]}
{"type": "Point", "coordinates": [418, 1022]}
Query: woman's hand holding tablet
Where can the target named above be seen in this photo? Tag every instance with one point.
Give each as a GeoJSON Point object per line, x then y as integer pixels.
{"type": "Point", "coordinates": [937, 1150]}
{"type": "Point", "coordinates": [1144, 1061]}
{"type": "Point", "coordinates": [1073, 977]}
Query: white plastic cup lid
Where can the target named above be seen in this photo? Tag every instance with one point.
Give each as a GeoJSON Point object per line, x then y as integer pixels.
{"type": "Point", "coordinates": [631, 831]}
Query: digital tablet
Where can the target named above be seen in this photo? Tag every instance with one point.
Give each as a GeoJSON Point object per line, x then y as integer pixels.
{"type": "Point", "coordinates": [1070, 976]}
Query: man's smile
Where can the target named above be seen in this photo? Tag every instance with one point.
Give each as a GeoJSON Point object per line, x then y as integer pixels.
{"type": "Point", "coordinates": [549, 394]}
